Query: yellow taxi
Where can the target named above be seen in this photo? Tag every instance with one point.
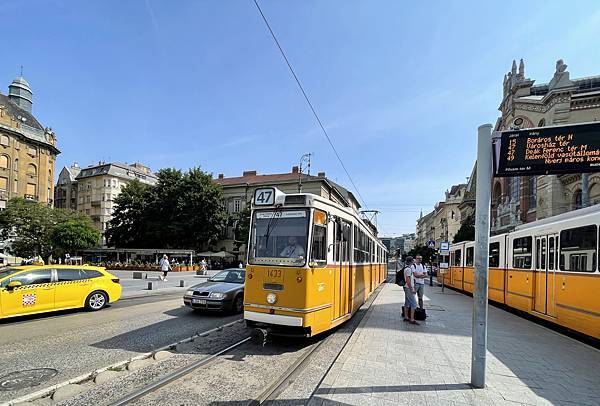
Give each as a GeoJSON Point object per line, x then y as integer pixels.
{"type": "Point", "coordinates": [45, 288]}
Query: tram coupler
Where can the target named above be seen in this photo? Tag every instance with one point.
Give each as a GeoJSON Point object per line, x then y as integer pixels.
{"type": "Point", "coordinates": [259, 336]}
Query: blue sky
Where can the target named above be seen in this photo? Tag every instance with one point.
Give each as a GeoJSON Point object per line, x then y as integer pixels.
{"type": "Point", "coordinates": [400, 86]}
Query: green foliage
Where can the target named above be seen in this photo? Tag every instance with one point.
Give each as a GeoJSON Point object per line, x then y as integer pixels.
{"type": "Point", "coordinates": [242, 226]}
{"type": "Point", "coordinates": [427, 253]}
{"type": "Point", "coordinates": [466, 232]}
{"type": "Point", "coordinates": [74, 235]}
{"type": "Point", "coordinates": [183, 210]}
{"type": "Point", "coordinates": [31, 225]}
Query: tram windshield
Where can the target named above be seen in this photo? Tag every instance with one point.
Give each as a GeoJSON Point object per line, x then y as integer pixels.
{"type": "Point", "coordinates": [279, 237]}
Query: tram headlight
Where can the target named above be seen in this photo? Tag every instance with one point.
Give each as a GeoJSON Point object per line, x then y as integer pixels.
{"type": "Point", "coordinates": [271, 298]}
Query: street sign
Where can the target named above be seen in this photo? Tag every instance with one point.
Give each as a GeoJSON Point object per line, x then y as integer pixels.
{"type": "Point", "coordinates": [571, 148]}
{"type": "Point", "coordinates": [431, 244]}
{"type": "Point", "coordinates": [444, 253]}
{"type": "Point", "coordinates": [445, 245]}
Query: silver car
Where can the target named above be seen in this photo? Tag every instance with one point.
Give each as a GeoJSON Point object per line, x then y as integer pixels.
{"type": "Point", "coordinates": [221, 292]}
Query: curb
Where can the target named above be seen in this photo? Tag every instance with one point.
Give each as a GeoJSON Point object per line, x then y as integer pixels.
{"type": "Point", "coordinates": [91, 375]}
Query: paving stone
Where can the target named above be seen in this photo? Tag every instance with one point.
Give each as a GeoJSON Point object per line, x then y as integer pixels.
{"type": "Point", "coordinates": [66, 392]}
{"type": "Point", "coordinates": [390, 361]}
{"type": "Point", "coordinates": [139, 364]}
{"type": "Point", "coordinates": [106, 376]}
{"type": "Point", "coordinates": [160, 355]}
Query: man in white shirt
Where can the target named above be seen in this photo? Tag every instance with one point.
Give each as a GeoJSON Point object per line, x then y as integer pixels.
{"type": "Point", "coordinates": [419, 273]}
{"type": "Point", "coordinates": [410, 302]}
{"type": "Point", "coordinates": [293, 249]}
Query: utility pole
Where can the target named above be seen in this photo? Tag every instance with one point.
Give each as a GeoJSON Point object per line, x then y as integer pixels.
{"type": "Point", "coordinates": [304, 158]}
{"type": "Point", "coordinates": [482, 233]}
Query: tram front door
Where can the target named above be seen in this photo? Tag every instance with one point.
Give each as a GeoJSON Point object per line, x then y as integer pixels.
{"type": "Point", "coordinates": [546, 263]}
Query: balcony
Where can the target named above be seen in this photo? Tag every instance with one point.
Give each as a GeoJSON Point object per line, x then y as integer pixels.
{"type": "Point", "coordinates": [96, 203]}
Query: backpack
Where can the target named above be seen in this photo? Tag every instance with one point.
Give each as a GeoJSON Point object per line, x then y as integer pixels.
{"type": "Point", "coordinates": [400, 281]}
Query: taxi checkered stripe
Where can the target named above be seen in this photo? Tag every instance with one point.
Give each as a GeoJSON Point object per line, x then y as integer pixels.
{"type": "Point", "coordinates": [42, 285]}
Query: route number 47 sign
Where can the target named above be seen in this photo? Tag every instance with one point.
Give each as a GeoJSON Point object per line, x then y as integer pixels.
{"type": "Point", "coordinates": [264, 196]}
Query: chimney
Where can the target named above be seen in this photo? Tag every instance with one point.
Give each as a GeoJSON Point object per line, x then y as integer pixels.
{"type": "Point", "coordinates": [221, 176]}
{"type": "Point", "coordinates": [249, 173]}
{"type": "Point", "coordinates": [295, 169]}
{"type": "Point", "coordinates": [321, 174]}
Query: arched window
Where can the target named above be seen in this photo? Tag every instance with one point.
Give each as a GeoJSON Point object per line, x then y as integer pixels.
{"type": "Point", "coordinates": [4, 162]}
{"type": "Point", "coordinates": [542, 122]}
{"type": "Point", "coordinates": [594, 195]}
{"type": "Point", "coordinates": [4, 140]}
{"type": "Point", "coordinates": [31, 170]}
{"type": "Point", "coordinates": [577, 204]}
{"type": "Point", "coordinates": [16, 165]}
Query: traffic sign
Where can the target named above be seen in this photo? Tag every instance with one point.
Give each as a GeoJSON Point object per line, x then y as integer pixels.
{"type": "Point", "coordinates": [431, 244]}
{"type": "Point", "coordinates": [573, 148]}
{"type": "Point", "coordinates": [444, 245]}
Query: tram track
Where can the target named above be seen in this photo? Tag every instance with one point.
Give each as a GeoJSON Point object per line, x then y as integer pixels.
{"type": "Point", "coordinates": [291, 368]}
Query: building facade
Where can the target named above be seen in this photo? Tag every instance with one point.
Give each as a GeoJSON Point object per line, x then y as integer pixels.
{"type": "Point", "coordinates": [443, 222]}
{"type": "Point", "coordinates": [27, 149]}
{"type": "Point", "coordinates": [65, 192]}
{"type": "Point", "coordinates": [525, 104]}
{"type": "Point", "coordinates": [92, 190]}
{"type": "Point", "coordinates": [238, 192]}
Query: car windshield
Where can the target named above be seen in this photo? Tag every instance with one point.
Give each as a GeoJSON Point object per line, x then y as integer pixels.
{"type": "Point", "coordinates": [7, 272]}
{"type": "Point", "coordinates": [230, 276]}
{"type": "Point", "coordinates": [279, 237]}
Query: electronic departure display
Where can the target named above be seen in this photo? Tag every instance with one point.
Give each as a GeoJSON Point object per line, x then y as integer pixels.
{"type": "Point", "coordinates": [548, 150]}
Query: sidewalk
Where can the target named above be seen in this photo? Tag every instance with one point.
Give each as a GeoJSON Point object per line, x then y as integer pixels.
{"type": "Point", "coordinates": [139, 287]}
{"type": "Point", "coordinates": [389, 362]}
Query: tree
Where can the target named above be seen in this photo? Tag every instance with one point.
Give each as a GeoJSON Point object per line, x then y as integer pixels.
{"type": "Point", "coordinates": [427, 253]}
{"type": "Point", "coordinates": [242, 226]}
{"type": "Point", "coordinates": [74, 235]}
{"type": "Point", "coordinates": [183, 210]}
{"type": "Point", "coordinates": [30, 226]}
{"type": "Point", "coordinates": [466, 232]}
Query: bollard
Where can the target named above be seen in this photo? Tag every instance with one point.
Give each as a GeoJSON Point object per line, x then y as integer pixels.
{"type": "Point", "coordinates": [137, 275]}
{"type": "Point", "coordinates": [181, 283]}
{"type": "Point", "coordinates": [150, 285]}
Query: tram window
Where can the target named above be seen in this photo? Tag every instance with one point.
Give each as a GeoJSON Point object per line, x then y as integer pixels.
{"type": "Point", "coordinates": [494, 255]}
{"type": "Point", "coordinates": [469, 256]}
{"type": "Point", "coordinates": [279, 237]}
{"type": "Point", "coordinates": [551, 254]}
{"type": "Point", "coordinates": [456, 255]}
{"type": "Point", "coordinates": [319, 245]}
{"type": "Point", "coordinates": [337, 240]}
{"type": "Point", "coordinates": [522, 252]}
{"type": "Point", "coordinates": [543, 257]}
{"type": "Point", "coordinates": [578, 249]}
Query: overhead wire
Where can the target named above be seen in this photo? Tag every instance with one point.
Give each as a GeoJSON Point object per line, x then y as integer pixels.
{"type": "Point", "coordinates": [289, 65]}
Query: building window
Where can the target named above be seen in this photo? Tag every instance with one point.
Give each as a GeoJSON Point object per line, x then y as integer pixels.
{"type": "Point", "coordinates": [17, 145]}
{"type": "Point", "coordinates": [4, 141]}
{"type": "Point", "coordinates": [31, 170]}
{"type": "Point", "coordinates": [16, 165]}
{"type": "Point", "coordinates": [4, 162]}
{"type": "Point", "coordinates": [31, 191]}
{"type": "Point", "coordinates": [514, 186]}
{"type": "Point", "coordinates": [532, 192]}
{"type": "Point", "coordinates": [577, 200]}
{"type": "Point", "coordinates": [3, 184]}
{"type": "Point", "coordinates": [542, 122]}
{"type": "Point", "coordinates": [32, 151]}
{"type": "Point", "coordinates": [237, 203]}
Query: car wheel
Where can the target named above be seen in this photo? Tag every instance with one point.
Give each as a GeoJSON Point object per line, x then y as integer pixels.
{"type": "Point", "coordinates": [96, 301]}
{"type": "Point", "coordinates": [238, 304]}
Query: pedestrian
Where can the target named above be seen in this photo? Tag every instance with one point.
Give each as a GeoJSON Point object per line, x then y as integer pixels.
{"type": "Point", "coordinates": [165, 267]}
{"type": "Point", "coordinates": [410, 302]}
{"type": "Point", "coordinates": [419, 273]}
{"type": "Point", "coordinates": [203, 265]}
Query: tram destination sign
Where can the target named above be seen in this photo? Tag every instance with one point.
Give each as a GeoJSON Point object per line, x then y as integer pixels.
{"type": "Point", "coordinates": [548, 150]}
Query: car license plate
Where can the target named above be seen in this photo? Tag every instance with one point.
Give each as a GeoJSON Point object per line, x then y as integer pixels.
{"type": "Point", "coordinates": [199, 301]}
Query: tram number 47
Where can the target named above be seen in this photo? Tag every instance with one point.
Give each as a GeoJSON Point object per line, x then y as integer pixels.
{"type": "Point", "coordinates": [274, 273]}
{"type": "Point", "coordinates": [264, 196]}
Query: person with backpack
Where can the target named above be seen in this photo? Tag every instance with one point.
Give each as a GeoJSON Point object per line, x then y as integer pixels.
{"type": "Point", "coordinates": [410, 301]}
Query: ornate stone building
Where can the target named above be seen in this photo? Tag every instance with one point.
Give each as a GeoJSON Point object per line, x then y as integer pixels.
{"type": "Point", "coordinates": [27, 149]}
{"type": "Point", "coordinates": [443, 222]}
{"type": "Point", "coordinates": [525, 105]}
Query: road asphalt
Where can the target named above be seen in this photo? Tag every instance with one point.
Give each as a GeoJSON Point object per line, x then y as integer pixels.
{"type": "Point", "coordinates": [78, 342]}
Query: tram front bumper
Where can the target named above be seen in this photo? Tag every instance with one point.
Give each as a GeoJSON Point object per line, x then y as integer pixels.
{"type": "Point", "coordinates": [276, 319]}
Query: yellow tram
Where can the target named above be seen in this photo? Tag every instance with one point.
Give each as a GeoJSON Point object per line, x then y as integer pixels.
{"type": "Point", "coordinates": [311, 263]}
{"type": "Point", "coordinates": [547, 268]}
